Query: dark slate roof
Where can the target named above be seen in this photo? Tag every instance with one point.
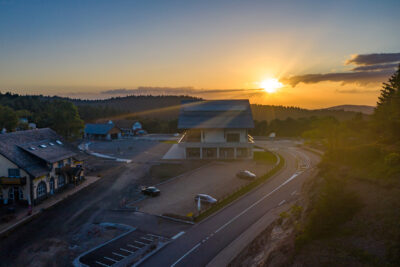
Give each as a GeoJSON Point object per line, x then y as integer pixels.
{"type": "Point", "coordinates": [49, 150]}
{"type": "Point", "coordinates": [215, 114]}
{"type": "Point", "coordinates": [12, 146]}
{"type": "Point", "coordinates": [98, 128]}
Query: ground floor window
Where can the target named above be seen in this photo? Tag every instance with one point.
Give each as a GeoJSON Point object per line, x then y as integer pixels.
{"type": "Point", "coordinates": [193, 152]}
{"type": "Point", "coordinates": [61, 181]}
{"type": "Point", "coordinates": [41, 190]}
{"type": "Point", "coordinates": [210, 153]}
{"type": "Point", "coordinates": [226, 153]}
{"type": "Point", "coordinates": [51, 185]}
{"type": "Point", "coordinates": [242, 152]}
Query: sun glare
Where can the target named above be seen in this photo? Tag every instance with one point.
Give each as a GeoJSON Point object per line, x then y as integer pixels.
{"type": "Point", "coordinates": [271, 85]}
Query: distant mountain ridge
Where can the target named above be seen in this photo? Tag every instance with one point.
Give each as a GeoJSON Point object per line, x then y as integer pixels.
{"type": "Point", "coordinates": [167, 107]}
{"type": "Point", "coordinates": [368, 110]}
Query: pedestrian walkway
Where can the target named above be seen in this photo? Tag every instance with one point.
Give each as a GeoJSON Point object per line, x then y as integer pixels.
{"type": "Point", "coordinates": [22, 215]}
{"type": "Point", "coordinates": [175, 152]}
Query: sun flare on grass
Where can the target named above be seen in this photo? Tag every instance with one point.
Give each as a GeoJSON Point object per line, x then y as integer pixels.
{"type": "Point", "coordinates": [271, 85]}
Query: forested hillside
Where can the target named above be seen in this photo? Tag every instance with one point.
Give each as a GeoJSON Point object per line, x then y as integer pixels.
{"type": "Point", "coordinates": [158, 113]}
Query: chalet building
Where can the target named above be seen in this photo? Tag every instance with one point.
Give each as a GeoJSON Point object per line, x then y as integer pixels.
{"type": "Point", "coordinates": [129, 127]}
{"type": "Point", "coordinates": [35, 164]}
{"type": "Point", "coordinates": [102, 131]}
{"type": "Point", "coordinates": [216, 129]}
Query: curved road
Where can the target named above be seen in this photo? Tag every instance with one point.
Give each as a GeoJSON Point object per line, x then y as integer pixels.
{"type": "Point", "coordinates": [201, 243]}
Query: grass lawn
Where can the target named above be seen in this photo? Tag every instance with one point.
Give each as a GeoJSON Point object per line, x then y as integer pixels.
{"type": "Point", "coordinates": [265, 156]}
{"type": "Point", "coordinates": [169, 141]}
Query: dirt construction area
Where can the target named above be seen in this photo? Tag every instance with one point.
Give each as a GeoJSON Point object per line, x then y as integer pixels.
{"type": "Point", "coordinates": [217, 179]}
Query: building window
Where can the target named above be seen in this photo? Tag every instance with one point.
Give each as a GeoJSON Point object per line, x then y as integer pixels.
{"type": "Point", "coordinates": [13, 173]}
{"type": "Point", "coordinates": [210, 153]}
{"type": "Point", "coordinates": [60, 164]}
{"type": "Point", "coordinates": [69, 161]}
{"type": "Point", "coordinates": [242, 152]}
{"type": "Point", "coordinates": [193, 153]}
{"type": "Point", "coordinates": [41, 190]}
{"type": "Point", "coordinates": [233, 137]}
{"type": "Point", "coordinates": [11, 193]}
{"type": "Point", "coordinates": [61, 181]}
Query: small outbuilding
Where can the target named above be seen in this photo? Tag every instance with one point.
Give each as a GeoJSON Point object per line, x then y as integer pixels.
{"type": "Point", "coordinates": [102, 131]}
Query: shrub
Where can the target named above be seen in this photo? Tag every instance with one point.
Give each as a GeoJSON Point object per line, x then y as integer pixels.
{"type": "Point", "coordinates": [265, 156]}
{"type": "Point", "coordinates": [392, 159]}
{"type": "Point", "coordinates": [334, 207]}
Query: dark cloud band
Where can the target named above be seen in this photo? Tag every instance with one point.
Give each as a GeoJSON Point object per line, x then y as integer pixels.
{"type": "Point", "coordinates": [372, 59]}
{"type": "Point", "coordinates": [361, 77]}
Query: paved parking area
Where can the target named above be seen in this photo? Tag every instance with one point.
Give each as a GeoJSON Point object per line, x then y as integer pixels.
{"type": "Point", "coordinates": [217, 179]}
{"type": "Point", "coordinates": [134, 149]}
{"type": "Point", "coordinates": [124, 250]}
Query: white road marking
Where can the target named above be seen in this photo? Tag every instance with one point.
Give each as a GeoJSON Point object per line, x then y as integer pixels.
{"type": "Point", "coordinates": [256, 203]}
{"type": "Point", "coordinates": [132, 246]}
{"type": "Point", "coordinates": [117, 254]}
{"type": "Point", "coordinates": [294, 192]}
{"type": "Point", "coordinates": [126, 250]}
{"type": "Point", "coordinates": [110, 259]}
{"type": "Point", "coordinates": [140, 242]}
{"type": "Point", "coordinates": [178, 235]}
{"type": "Point", "coordinates": [144, 238]}
{"type": "Point", "coordinates": [100, 263]}
{"type": "Point", "coordinates": [280, 203]}
{"type": "Point", "coordinates": [157, 236]}
{"type": "Point", "coordinates": [187, 253]}
{"type": "Point", "coordinates": [240, 214]}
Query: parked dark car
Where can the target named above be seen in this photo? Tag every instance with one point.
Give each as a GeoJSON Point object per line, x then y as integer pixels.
{"type": "Point", "coordinates": [245, 174]}
{"type": "Point", "coordinates": [151, 191]}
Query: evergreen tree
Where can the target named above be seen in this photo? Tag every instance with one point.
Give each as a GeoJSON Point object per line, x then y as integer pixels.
{"type": "Point", "coordinates": [387, 112]}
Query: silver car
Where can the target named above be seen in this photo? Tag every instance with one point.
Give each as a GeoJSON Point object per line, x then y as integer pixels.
{"type": "Point", "coordinates": [245, 174]}
{"type": "Point", "coordinates": [205, 199]}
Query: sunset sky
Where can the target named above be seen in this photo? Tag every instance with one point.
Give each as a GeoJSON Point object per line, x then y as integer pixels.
{"type": "Point", "coordinates": [324, 53]}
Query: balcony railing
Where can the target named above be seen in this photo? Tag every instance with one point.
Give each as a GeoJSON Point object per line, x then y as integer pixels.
{"type": "Point", "coordinates": [250, 139]}
{"type": "Point", "coordinates": [12, 180]}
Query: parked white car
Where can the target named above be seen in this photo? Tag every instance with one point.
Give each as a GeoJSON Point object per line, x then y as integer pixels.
{"type": "Point", "coordinates": [245, 174]}
{"type": "Point", "coordinates": [205, 199]}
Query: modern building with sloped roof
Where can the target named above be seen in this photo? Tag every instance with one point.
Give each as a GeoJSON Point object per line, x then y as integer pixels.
{"type": "Point", "coordinates": [102, 131]}
{"type": "Point", "coordinates": [35, 164]}
{"type": "Point", "coordinates": [216, 129]}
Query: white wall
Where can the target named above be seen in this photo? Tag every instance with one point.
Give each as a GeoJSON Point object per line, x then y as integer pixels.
{"type": "Point", "coordinates": [6, 164]}
{"type": "Point", "coordinates": [219, 135]}
{"type": "Point", "coordinates": [213, 136]}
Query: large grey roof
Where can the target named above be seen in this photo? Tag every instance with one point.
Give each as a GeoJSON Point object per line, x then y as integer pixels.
{"type": "Point", "coordinates": [215, 114]}
{"type": "Point", "coordinates": [15, 146]}
{"type": "Point", "coordinates": [98, 128]}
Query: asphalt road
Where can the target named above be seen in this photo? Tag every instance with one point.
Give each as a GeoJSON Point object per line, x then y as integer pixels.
{"type": "Point", "coordinates": [201, 243]}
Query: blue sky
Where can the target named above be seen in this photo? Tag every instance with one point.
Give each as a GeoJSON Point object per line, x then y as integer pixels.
{"type": "Point", "coordinates": [58, 47]}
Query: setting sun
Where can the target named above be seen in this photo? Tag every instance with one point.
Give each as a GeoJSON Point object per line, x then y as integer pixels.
{"type": "Point", "coordinates": [271, 85]}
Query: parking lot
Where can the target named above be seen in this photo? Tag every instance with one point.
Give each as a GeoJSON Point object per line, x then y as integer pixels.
{"type": "Point", "coordinates": [130, 248]}
{"type": "Point", "coordinates": [217, 179]}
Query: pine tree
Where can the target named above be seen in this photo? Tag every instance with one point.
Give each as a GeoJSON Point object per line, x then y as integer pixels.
{"type": "Point", "coordinates": [387, 112]}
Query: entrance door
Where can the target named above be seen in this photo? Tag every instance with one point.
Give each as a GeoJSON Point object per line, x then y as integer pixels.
{"type": "Point", "coordinates": [51, 185]}
{"type": "Point", "coordinates": [16, 194]}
